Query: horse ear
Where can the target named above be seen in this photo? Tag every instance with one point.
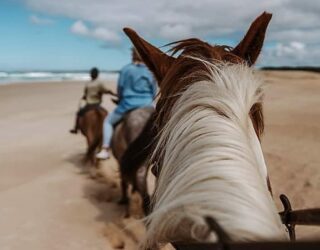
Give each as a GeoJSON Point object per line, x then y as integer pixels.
{"type": "Point", "coordinates": [157, 61]}
{"type": "Point", "coordinates": [250, 46]}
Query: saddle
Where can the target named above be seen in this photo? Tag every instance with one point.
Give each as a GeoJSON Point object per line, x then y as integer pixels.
{"type": "Point", "coordinates": [127, 115]}
{"type": "Point", "coordinates": [90, 107]}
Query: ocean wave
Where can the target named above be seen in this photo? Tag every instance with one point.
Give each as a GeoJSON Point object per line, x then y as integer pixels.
{"type": "Point", "coordinates": [10, 77]}
{"type": "Point", "coordinates": [3, 74]}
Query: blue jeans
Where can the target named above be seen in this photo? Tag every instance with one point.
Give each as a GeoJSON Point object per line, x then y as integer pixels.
{"type": "Point", "coordinates": [108, 124]}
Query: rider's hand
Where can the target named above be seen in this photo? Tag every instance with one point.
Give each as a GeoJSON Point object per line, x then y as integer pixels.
{"type": "Point", "coordinates": [111, 93]}
{"type": "Point", "coordinates": [108, 91]}
{"type": "Point", "coordinates": [115, 101]}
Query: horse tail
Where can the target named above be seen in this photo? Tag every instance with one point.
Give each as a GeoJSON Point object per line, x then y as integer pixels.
{"type": "Point", "coordinates": [92, 148]}
{"type": "Point", "coordinates": [94, 134]}
{"type": "Point", "coordinates": [101, 114]}
{"type": "Point", "coordinates": [139, 150]}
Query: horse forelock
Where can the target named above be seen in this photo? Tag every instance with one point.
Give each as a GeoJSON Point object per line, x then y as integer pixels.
{"type": "Point", "coordinates": [191, 67]}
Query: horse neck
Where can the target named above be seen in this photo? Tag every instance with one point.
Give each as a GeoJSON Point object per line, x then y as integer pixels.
{"type": "Point", "coordinates": [212, 165]}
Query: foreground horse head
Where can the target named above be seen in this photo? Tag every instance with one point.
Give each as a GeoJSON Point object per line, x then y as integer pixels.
{"type": "Point", "coordinates": [171, 72]}
{"type": "Point", "coordinates": [209, 122]}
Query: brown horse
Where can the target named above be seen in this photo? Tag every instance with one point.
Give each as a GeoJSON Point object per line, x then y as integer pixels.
{"type": "Point", "coordinates": [91, 126]}
{"type": "Point", "coordinates": [168, 69]}
{"type": "Point", "coordinates": [126, 131]}
{"type": "Point", "coordinates": [209, 99]}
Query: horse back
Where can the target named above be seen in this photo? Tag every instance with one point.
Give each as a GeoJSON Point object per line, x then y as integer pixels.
{"type": "Point", "coordinates": [129, 129]}
{"type": "Point", "coordinates": [92, 122]}
{"type": "Point", "coordinates": [135, 121]}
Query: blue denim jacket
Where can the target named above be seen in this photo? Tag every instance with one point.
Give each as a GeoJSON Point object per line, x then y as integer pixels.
{"type": "Point", "coordinates": [136, 88]}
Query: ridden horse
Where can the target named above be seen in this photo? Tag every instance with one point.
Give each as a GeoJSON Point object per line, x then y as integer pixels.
{"type": "Point", "coordinates": [125, 133]}
{"type": "Point", "coordinates": [91, 126]}
{"type": "Point", "coordinates": [207, 129]}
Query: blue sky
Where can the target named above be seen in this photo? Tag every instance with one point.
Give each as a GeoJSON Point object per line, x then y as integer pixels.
{"type": "Point", "coordinates": [29, 46]}
{"type": "Point", "coordinates": [79, 34]}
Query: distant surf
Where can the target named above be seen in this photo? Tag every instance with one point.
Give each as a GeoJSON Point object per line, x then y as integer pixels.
{"type": "Point", "coordinates": [38, 76]}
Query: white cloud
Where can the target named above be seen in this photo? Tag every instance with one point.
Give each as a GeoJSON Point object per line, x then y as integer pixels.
{"type": "Point", "coordinates": [100, 33]}
{"type": "Point", "coordinates": [291, 54]}
{"type": "Point", "coordinates": [79, 28]}
{"type": "Point", "coordinates": [292, 49]}
{"type": "Point", "coordinates": [40, 20]}
{"type": "Point", "coordinates": [160, 19]}
{"type": "Point", "coordinates": [175, 31]}
{"type": "Point", "coordinates": [293, 20]}
{"type": "Point", "coordinates": [105, 34]}
{"type": "Point", "coordinates": [298, 46]}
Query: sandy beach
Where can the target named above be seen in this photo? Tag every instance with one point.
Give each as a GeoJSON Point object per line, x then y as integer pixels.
{"type": "Point", "coordinates": [48, 201]}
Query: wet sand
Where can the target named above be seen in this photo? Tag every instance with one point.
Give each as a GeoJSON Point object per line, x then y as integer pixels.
{"type": "Point", "coordinates": [49, 201]}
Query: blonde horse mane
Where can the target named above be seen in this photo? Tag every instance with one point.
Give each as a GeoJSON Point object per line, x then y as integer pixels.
{"type": "Point", "coordinates": [212, 163]}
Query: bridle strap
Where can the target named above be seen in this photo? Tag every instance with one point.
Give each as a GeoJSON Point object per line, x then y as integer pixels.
{"type": "Point", "coordinates": [285, 217]}
{"type": "Point", "coordinates": [290, 218]}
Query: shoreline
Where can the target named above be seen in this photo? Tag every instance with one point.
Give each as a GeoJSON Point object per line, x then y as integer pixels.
{"type": "Point", "coordinates": [293, 74]}
{"type": "Point", "coordinates": [40, 82]}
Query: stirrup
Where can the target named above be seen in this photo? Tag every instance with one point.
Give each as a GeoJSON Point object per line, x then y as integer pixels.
{"type": "Point", "coordinates": [73, 131]}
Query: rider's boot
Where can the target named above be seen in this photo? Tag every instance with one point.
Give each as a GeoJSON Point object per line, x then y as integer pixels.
{"type": "Point", "coordinates": [75, 129]}
{"type": "Point", "coordinates": [103, 154]}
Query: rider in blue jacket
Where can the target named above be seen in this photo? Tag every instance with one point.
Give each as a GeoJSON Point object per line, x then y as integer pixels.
{"type": "Point", "coordinates": [137, 88]}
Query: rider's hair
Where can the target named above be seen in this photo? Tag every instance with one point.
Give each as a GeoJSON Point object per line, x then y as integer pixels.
{"type": "Point", "coordinates": [94, 73]}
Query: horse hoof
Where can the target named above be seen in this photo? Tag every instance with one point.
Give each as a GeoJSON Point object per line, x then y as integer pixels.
{"type": "Point", "coordinates": [123, 201]}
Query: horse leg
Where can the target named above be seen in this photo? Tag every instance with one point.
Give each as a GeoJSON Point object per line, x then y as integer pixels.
{"type": "Point", "coordinates": [124, 197]}
{"type": "Point", "coordinates": [145, 199]}
{"type": "Point", "coordinates": [91, 148]}
{"type": "Point", "coordinates": [124, 189]}
{"type": "Point", "coordinates": [140, 184]}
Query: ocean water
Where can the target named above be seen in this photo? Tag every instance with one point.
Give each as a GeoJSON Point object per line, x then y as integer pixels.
{"type": "Point", "coordinates": [45, 76]}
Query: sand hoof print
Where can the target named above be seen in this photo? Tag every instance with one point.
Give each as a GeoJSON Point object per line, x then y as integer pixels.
{"type": "Point", "coordinates": [114, 236]}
